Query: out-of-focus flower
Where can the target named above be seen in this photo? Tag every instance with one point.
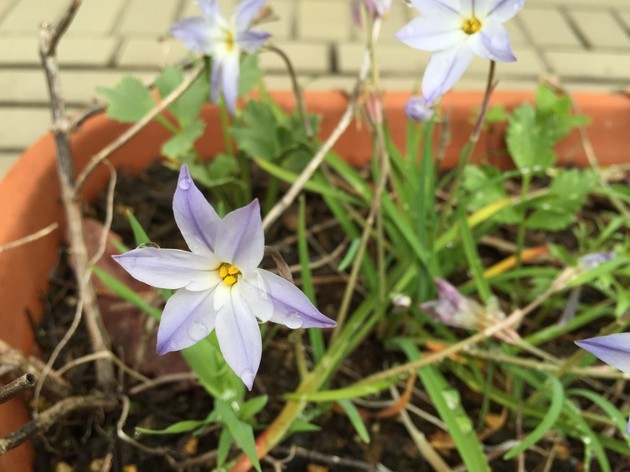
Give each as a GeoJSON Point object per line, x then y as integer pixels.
{"type": "Point", "coordinates": [453, 309]}
{"type": "Point", "coordinates": [417, 109]}
{"type": "Point", "coordinates": [454, 31]}
{"type": "Point", "coordinates": [219, 285]}
{"type": "Point", "coordinates": [212, 35]}
{"type": "Point", "coordinates": [613, 349]}
{"type": "Point", "coordinates": [375, 8]}
{"type": "Point", "coordinates": [590, 261]}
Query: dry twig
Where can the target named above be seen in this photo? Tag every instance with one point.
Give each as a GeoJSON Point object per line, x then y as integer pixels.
{"type": "Point", "coordinates": [10, 390]}
{"type": "Point", "coordinates": [30, 238]}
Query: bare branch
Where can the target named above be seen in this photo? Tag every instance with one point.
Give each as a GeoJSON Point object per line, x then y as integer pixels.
{"type": "Point", "coordinates": [30, 238]}
{"type": "Point", "coordinates": [10, 390]}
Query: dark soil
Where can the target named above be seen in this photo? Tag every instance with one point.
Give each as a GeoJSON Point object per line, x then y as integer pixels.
{"type": "Point", "coordinates": [83, 441]}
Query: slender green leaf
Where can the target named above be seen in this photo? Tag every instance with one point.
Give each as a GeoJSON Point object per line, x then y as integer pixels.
{"type": "Point", "coordinates": [549, 420]}
{"type": "Point", "coordinates": [355, 418]}
{"type": "Point", "coordinates": [242, 432]}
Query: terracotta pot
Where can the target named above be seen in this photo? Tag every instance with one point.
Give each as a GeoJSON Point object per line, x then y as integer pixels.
{"type": "Point", "coordinates": [30, 192]}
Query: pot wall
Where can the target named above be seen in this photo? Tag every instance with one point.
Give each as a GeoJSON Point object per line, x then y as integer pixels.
{"type": "Point", "coordinates": [29, 194]}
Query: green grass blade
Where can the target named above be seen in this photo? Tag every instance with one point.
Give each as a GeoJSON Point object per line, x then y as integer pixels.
{"type": "Point", "coordinates": [446, 402]}
{"type": "Point", "coordinates": [474, 262]}
{"type": "Point", "coordinates": [355, 418]}
{"type": "Point", "coordinates": [553, 413]}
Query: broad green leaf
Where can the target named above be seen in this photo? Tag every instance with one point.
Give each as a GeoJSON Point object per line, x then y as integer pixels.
{"type": "Point", "coordinates": [529, 142]}
{"type": "Point", "coordinates": [242, 432]}
{"type": "Point", "coordinates": [257, 134]}
{"type": "Point", "coordinates": [187, 107]}
{"type": "Point", "coordinates": [355, 418]}
{"type": "Point", "coordinates": [128, 101]}
{"type": "Point", "coordinates": [183, 142]}
{"type": "Point", "coordinates": [222, 169]}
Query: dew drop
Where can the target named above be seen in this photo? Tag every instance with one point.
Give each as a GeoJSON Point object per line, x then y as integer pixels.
{"type": "Point", "coordinates": [184, 183]}
{"type": "Point", "coordinates": [197, 331]}
{"type": "Point", "coordinates": [293, 320]}
{"type": "Point", "coordinates": [451, 397]}
{"type": "Point", "coordinates": [148, 244]}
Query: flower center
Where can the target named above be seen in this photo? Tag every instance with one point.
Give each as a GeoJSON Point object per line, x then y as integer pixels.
{"type": "Point", "coordinates": [229, 41]}
{"type": "Point", "coordinates": [229, 274]}
{"type": "Point", "coordinates": [471, 25]}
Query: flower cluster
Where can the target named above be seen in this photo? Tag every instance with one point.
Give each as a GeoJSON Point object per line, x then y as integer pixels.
{"type": "Point", "coordinates": [219, 285]}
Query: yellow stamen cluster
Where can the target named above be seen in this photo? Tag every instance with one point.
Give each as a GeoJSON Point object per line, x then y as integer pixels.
{"type": "Point", "coordinates": [229, 41]}
{"type": "Point", "coordinates": [471, 25]}
{"type": "Point", "coordinates": [229, 274]}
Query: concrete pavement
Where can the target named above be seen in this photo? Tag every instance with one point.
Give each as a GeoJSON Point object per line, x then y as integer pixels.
{"type": "Point", "coordinates": [585, 42]}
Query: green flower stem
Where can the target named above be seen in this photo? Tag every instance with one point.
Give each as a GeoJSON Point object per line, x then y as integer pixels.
{"type": "Point", "coordinates": [467, 151]}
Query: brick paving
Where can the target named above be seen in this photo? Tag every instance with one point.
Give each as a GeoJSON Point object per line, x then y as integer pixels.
{"type": "Point", "coordinates": [584, 42]}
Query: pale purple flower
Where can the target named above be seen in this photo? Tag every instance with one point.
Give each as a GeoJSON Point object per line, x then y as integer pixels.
{"type": "Point", "coordinates": [212, 35]}
{"type": "Point", "coordinates": [594, 259]}
{"type": "Point", "coordinates": [453, 309]}
{"type": "Point", "coordinates": [454, 31]}
{"type": "Point", "coordinates": [417, 109]}
{"type": "Point", "coordinates": [219, 285]}
{"type": "Point", "coordinates": [613, 349]}
{"type": "Point", "coordinates": [375, 8]}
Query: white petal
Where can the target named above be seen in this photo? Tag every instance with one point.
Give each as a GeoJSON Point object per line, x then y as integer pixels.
{"type": "Point", "coordinates": [492, 42]}
{"type": "Point", "coordinates": [241, 240]}
{"type": "Point", "coordinates": [239, 339]}
{"type": "Point", "coordinates": [444, 69]}
{"type": "Point", "coordinates": [437, 8]}
{"type": "Point", "coordinates": [188, 317]}
{"type": "Point", "coordinates": [170, 268]}
{"type": "Point", "coordinates": [253, 292]}
{"type": "Point", "coordinates": [430, 35]}
{"type": "Point", "coordinates": [195, 217]}
{"type": "Point", "coordinates": [503, 10]}
{"type": "Point", "coordinates": [291, 307]}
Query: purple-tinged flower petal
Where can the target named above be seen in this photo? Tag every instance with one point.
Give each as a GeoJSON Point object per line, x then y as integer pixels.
{"type": "Point", "coordinates": [239, 339]}
{"type": "Point", "coordinates": [291, 307]}
{"type": "Point", "coordinates": [356, 12]}
{"type": "Point", "coordinates": [242, 241]}
{"type": "Point", "coordinates": [188, 317]}
{"type": "Point", "coordinates": [503, 10]}
{"type": "Point", "coordinates": [430, 35]}
{"type": "Point", "coordinates": [437, 8]}
{"type": "Point", "coordinates": [194, 34]}
{"type": "Point", "coordinates": [230, 69]}
{"type": "Point", "coordinates": [246, 12]}
{"type": "Point", "coordinates": [215, 80]}
{"type": "Point", "coordinates": [613, 349]}
{"type": "Point", "coordinates": [209, 8]}
{"type": "Point", "coordinates": [590, 261]}
{"type": "Point", "coordinates": [195, 217]}
{"type": "Point", "coordinates": [417, 109]}
{"type": "Point", "coordinates": [253, 292]}
{"type": "Point", "coordinates": [251, 41]}
{"type": "Point", "coordinates": [492, 42]}
{"type": "Point", "coordinates": [444, 70]}
{"type": "Point", "coordinates": [170, 268]}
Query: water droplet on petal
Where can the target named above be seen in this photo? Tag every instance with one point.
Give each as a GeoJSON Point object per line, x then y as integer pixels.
{"type": "Point", "coordinates": [197, 331]}
{"type": "Point", "coordinates": [293, 320]}
{"type": "Point", "coordinates": [184, 183]}
{"type": "Point", "coordinates": [148, 244]}
{"type": "Point", "coordinates": [247, 376]}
